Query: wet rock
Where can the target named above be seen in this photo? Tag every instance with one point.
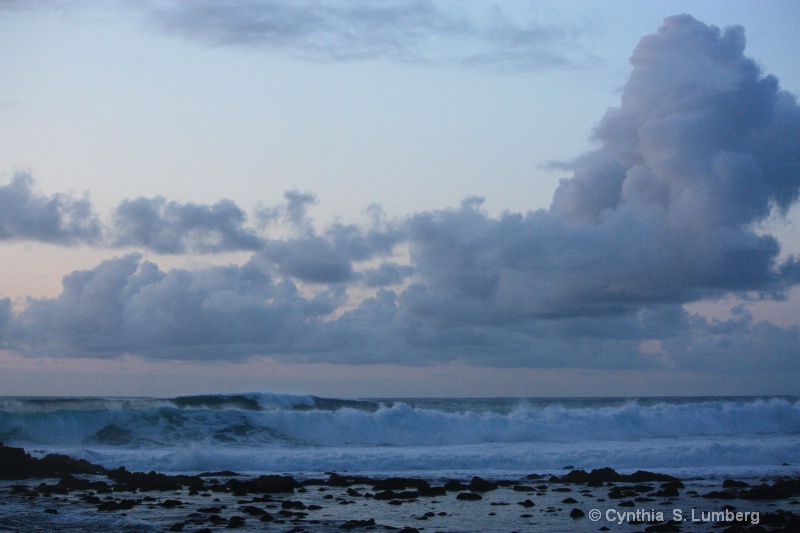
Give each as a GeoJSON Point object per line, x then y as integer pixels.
{"type": "Point", "coordinates": [113, 505]}
{"type": "Point", "coordinates": [171, 503]}
{"type": "Point", "coordinates": [733, 484]}
{"type": "Point", "coordinates": [576, 513]}
{"type": "Point", "coordinates": [150, 481]}
{"type": "Point", "coordinates": [433, 491]}
{"type": "Point", "coordinates": [16, 463]}
{"type": "Point", "coordinates": [481, 485]}
{"type": "Point", "coordinates": [352, 524]}
{"type": "Point", "coordinates": [392, 495]}
{"type": "Point", "coordinates": [290, 504]}
{"type": "Point", "coordinates": [454, 486]}
{"type": "Point", "coordinates": [609, 475]}
{"type": "Point", "coordinates": [236, 522]}
{"type": "Point", "coordinates": [252, 510]}
{"type": "Point", "coordinates": [264, 484]}
{"type": "Point", "coordinates": [781, 489]}
{"type": "Point", "coordinates": [469, 496]}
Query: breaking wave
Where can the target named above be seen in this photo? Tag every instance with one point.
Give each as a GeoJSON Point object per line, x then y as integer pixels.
{"type": "Point", "coordinates": [290, 432]}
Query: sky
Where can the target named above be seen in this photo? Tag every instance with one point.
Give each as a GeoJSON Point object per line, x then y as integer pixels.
{"type": "Point", "coordinates": [399, 198]}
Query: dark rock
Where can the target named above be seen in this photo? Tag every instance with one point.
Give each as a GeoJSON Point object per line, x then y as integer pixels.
{"type": "Point", "coordinates": [606, 475]}
{"type": "Point", "coordinates": [16, 463]}
{"type": "Point", "coordinates": [289, 504]}
{"type": "Point", "coordinates": [177, 526]}
{"type": "Point", "coordinates": [481, 485]}
{"type": "Point", "coordinates": [569, 500]}
{"type": "Point", "coordinates": [132, 481]}
{"type": "Point", "coordinates": [113, 505]}
{"type": "Point", "coordinates": [223, 473]}
{"type": "Point", "coordinates": [527, 504]}
{"type": "Point", "coordinates": [523, 488]}
{"type": "Point", "coordinates": [433, 491]}
{"type": "Point", "coordinates": [236, 522]}
{"type": "Point", "coordinates": [781, 489]}
{"type": "Point", "coordinates": [469, 496]}
{"type": "Point", "coordinates": [454, 486]}
{"type": "Point", "coordinates": [171, 503]}
{"type": "Point", "coordinates": [733, 484]}
{"type": "Point", "coordinates": [576, 513]}
{"type": "Point", "coordinates": [384, 495]}
{"type": "Point", "coordinates": [352, 524]}
{"type": "Point", "coordinates": [337, 480]}
{"type": "Point", "coordinates": [264, 484]}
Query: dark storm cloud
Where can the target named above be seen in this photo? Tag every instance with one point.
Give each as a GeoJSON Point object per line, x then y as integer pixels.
{"type": "Point", "coordinates": [26, 214]}
{"type": "Point", "coordinates": [172, 228]}
{"type": "Point", "coordinates": [348, 30]}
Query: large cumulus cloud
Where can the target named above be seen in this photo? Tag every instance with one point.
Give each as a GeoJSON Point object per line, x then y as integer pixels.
{"type": "Point", "coordinates": [702, 148]}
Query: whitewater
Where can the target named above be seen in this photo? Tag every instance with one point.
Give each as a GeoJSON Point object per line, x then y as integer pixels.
{"type": "Point", "coordinates": [436, 438]}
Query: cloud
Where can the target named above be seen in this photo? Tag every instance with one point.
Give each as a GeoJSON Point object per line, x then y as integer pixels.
{"type": "Point", "coordinates": [329, 257]}
{"type": "Point", "coordinates": [126, 305]}
{"type": "Point", "coordinates": [417, 31]}
{"type": "Point", "coordinates": [59, 219]}
{"type": "Point", "coordinates": [664, 211]}
{"type": "Point", "coordinates": [701, 149]}
{"type": "Point", "coordinates": [171, 228]}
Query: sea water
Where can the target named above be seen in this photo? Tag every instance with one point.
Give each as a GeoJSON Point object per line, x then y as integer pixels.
{"type": "Point", "coordinates": [709, 437]}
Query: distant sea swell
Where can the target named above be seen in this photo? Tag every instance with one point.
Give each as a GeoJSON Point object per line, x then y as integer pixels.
{"type": "Point", "coordinates": [295, 433]}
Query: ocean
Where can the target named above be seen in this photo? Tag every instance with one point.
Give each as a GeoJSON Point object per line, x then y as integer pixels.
{"type": "Point", "coordinates": [701, 440]}
{"type": "Point", "coordinates": [432, 437]}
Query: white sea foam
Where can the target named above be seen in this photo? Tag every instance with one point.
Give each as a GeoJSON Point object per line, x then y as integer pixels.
{"type": "Point", "coordinates": [287, 433]}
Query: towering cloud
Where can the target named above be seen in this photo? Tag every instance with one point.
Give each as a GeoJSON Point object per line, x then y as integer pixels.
{"type": "Point", "coordinates": [701, 149]}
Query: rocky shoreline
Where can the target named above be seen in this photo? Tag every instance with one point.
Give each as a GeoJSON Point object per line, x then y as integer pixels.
{"type": "Point", "coordinates": [600, 500]}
